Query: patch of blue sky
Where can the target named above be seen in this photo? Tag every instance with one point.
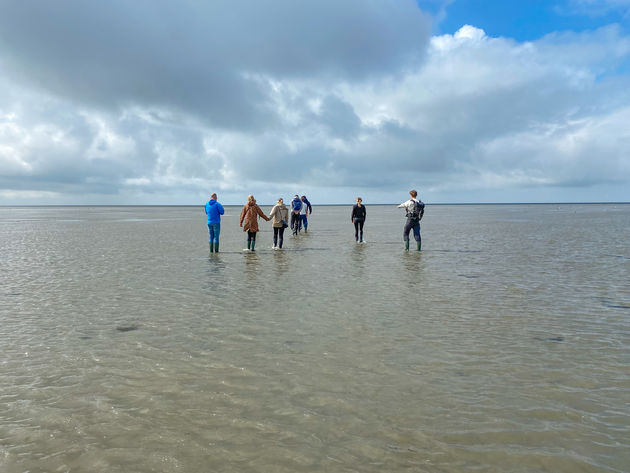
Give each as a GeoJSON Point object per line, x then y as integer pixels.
{"type": "Point", "coordinates": [526, 20]}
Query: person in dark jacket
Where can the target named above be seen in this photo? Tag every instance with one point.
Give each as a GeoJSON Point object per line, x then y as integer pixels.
{"type": "Point", "coordinates": [358, 218]}
{"type": "Point", "coordinates": [306, 209]}
{"type": "Point", "coordinates": [214, 210]}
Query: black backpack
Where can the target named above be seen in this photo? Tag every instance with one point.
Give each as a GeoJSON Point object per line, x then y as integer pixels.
{"type": "Point", "coordinates": [417, 211]}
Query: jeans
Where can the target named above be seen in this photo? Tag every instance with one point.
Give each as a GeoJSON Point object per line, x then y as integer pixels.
{"type": "Point", "coordinates": [213, 231]}
{"type": "Point", "coordinates": [278, 232]}
{"type": "Point", "coordinates": [412, 223]}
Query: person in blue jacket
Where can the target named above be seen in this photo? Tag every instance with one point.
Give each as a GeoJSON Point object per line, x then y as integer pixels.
{"type": "Point", "coordinates": [214, 210]}
{"type": "Point", "coordinates": [296, 219]}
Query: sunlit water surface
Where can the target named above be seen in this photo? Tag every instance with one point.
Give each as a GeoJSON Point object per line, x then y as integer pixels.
{"type": "Point", "coordinates": [503, 346]}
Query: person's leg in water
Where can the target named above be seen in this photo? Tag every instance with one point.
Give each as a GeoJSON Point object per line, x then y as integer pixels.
{"type": "Point", "coordinates": [215, 236]}
{"type": "Point", "coordinates": [253, 240]}
{"type": "Point", "coordinates": [275, 236]}
{"type": "Point", "coordinates": [305, 222]}
{"type": "Point", "coordinates": [249, 240]}
{"type": "Point", "coordinates": [295, 218]}
{"type": "Point", "coordinates": [211, 237]}
{"type": "Point", "coordinates": [416, 235]}
{"type": "Point", "coordinates": [281, 235]}
{"type": "Point", "coordinates": [356, 230]}
{"type": "Point", "coordinates": [406, 230]}
{"type": "Point", "coordinates": [361, 222]}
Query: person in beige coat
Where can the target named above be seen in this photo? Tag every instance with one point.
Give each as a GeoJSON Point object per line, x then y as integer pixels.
{"type": "Point", "coordinates": [280, 217]}
{"type": "Point", "coordinates": [249, 221]}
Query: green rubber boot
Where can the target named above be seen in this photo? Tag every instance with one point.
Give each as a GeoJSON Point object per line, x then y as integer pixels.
{"type": "Point", "coordinates": [407, 245]}
{"type": "Point", "coordinates": [216, 247]}
{"type": "Point", "coordinates": [249, 244]}
{"type": "Point", "coordinates": [419, 245]}
{"type": "Point", "coordinates": [211, 247]}
{"type": "Point", "coordinates": [253, 245]}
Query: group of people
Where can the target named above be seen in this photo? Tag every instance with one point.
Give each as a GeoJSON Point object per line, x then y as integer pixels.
{"type": "Point", "coordinates": [300, 209]}
{"type": "Point", "coordinates": [279, 216]}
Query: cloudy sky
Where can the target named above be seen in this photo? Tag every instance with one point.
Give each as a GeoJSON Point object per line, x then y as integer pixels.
{"type": "Point", "coordinates": [163, 102]}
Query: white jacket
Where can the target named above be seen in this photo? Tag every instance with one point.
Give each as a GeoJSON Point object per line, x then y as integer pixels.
{"type": "Point", "coordinates": [409, 205]}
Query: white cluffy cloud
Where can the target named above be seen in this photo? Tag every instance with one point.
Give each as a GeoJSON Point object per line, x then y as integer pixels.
{"type": "Point", "coordinates": [97, 106]}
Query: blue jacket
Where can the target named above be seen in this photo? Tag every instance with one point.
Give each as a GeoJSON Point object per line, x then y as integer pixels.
{"type": "Point", "coordinates": [296, 204]}
{"type": "Point", "coordinates": [214, 210]}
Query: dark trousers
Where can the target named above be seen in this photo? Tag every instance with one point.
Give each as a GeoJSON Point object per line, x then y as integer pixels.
{"type": "Point", "coordinates": [412, 224]}
{"type": "Point", "coordinates": [358, 228]}
{"type": "Point", "coordinates": [296, 220]}
{"type": "Point", "coordinates": [251, 236]}
{"type": "Point", "coordinates": [278, 232]}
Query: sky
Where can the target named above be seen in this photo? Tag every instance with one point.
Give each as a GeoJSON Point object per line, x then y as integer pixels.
{"type": "Point", "coordinates": [157, 102]}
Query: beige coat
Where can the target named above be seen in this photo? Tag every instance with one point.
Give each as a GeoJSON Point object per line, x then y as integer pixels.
{"type": "Point", "coordinates": [278, 213]}
{"type": "Point", "coordinates": [249, 217]}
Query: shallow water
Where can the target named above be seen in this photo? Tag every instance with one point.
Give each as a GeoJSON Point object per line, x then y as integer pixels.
{"type": "Point", "coordinates": [502, 346]}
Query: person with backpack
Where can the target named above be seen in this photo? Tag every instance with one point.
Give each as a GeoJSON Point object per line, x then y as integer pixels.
{"type": "Point", "coordinates": [306, 209]}
{"type": "Point", "coordinates": [214, 210]}
{"type": "Point", "coordinates": [358, 218]}
{"type": "Point", "coordinates": [414, 211]}
{"type": "Point", "coordinates": [296, 219]}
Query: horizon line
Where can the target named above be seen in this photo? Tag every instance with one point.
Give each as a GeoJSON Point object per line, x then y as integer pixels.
{"type": "Point", "coordinates": [322, 205]}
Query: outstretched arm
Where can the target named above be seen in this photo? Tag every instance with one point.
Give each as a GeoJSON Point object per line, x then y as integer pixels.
{"type": "Point", "coordinates": [261, 213]}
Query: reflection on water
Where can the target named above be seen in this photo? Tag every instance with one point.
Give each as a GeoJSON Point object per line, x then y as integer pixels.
{"type": "Point", "coordinates": [252, 264]}
{"type": "Point", "coordinates": [503, 346]}
{"type": "Point", "coordinates": [281, 261]}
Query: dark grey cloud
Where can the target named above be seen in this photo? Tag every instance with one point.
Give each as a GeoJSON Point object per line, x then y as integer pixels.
{"type": "Point", "coordinates": [203, 57]}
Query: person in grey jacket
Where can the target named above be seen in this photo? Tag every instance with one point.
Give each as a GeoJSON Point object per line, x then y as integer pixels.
{"type": "Point", "coordinates": [280, 217]}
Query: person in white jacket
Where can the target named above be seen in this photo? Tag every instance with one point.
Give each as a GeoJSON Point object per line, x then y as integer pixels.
{"type": "Point", "coordinates": [414, 211]}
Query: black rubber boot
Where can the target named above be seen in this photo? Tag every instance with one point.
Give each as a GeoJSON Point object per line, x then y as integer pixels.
{"type": "Point", "coordinates": [211, 247]}
{"type": "Point", "coordinates": [407, 245]}
{"type": "Point", "coordinates": [216, 247]}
